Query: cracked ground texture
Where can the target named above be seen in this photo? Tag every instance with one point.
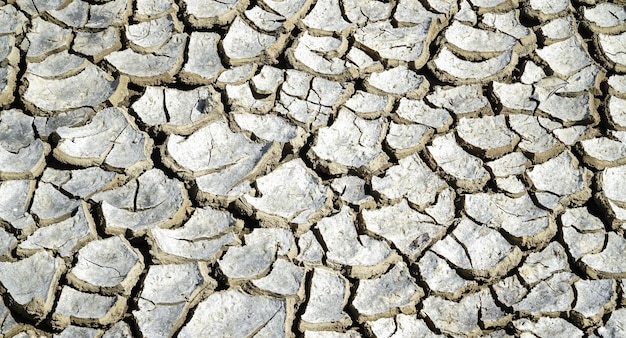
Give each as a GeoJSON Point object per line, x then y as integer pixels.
{"type": "Point", "coordinates": [300, 168]}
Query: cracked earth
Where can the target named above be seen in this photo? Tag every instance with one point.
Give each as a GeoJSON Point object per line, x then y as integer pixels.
{"type": "Point", "coordinates": [299, 168]}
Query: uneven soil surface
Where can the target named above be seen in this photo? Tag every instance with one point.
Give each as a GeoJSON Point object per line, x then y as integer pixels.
{"type": "Point", "coordinates": [300, 168]}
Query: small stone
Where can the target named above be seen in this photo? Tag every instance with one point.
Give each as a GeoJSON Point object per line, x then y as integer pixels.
{"type": "Point", "coordinates": [107, 264]}
{"type": "Point", "coordinates": [326, 300]}
{"type": "Point", "coordinates": [31, 282]}
{"type": "Point", "coordinates": [466, 247]}
{"type": "Point", "coordinates": [165, 296]}
{"type": "Point", "coordinates": [78, 307]}
{"type": "Point", "coordinates": [291, 191]}
{"type": "Point", "coordinates": [202, 237]}
{"type": "Point", "coordinates": [410, 179]}
{"type": "Point", "coordinates": [110, 138]}
{"type": "Point", "coordinates": [410, 231]}
{"type": "Point", "coordinates": [345, 247]}
{"type": "Point", "coordinates": [466, 170]}
{"type": "Point", "coordinates": [350, 142]}
{"type": "Point", "coordinates": [385, 295]}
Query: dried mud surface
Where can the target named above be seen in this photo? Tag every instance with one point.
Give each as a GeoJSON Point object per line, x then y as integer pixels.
{"type": "Point", "coordinates": [299, 168]}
